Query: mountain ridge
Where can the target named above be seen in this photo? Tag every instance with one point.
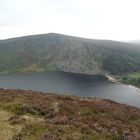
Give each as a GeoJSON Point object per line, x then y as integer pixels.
{"type": "Point", "coordinates": [72, 36]}
{"type": "Point", "coordinates": [52, 52]}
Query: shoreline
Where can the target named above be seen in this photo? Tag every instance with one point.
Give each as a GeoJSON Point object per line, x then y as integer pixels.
{"type": "Point", "coordinates": [112, 79]}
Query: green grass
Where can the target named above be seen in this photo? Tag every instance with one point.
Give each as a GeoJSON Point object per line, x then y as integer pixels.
{"type": "Point", "coordinates": [12, 107]}
{"type": "Point", "coordinates": [134, 75]}
{"type": "Point", "coordinates": [20, 109]}
{"type": "Point", "coordinates": [31, 131]}
{"type": "Point", "coordinates": [32, 68]}
{"type": "Point", "coordinates": [28, 69]}
{"type": "Point", "coordinates": [132, 78]}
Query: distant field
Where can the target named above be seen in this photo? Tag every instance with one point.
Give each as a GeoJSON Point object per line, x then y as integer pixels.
{"type": "Point", "coordinates": [131, 78]}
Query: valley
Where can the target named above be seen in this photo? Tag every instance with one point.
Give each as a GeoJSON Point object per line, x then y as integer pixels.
{"type": "Point", "coordinates": [91, 79]}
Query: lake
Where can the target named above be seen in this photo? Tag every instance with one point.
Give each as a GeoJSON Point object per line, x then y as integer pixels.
{"type": "Point", "coordinates": [75, 84]}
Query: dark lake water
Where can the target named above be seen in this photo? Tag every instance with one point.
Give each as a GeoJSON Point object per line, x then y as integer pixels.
{"type": "Point", "coordinates": [75, 84]}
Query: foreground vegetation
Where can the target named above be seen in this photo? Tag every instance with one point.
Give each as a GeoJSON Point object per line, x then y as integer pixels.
{"type": "Point", "coordinates": [27, 115]}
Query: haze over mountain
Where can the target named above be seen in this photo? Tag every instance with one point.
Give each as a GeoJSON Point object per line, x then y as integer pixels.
{"type": "Point", "coordinates": [135, 42]}
{"type": "Point", "coordinates": [51, 52]}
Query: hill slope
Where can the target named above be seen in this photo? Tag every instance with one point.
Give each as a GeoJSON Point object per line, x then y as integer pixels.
{"type": "Point", "coordinates": [27, 115]}
{"type": "Point", "coordinates": [50, 52]}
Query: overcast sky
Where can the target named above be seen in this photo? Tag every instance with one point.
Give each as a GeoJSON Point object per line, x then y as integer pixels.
{"type": "Point", "coordinates": [99, 19]}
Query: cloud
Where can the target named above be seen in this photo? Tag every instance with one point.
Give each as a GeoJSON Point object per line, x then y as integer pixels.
{"type": "Point", "coordinates": [108, 19]}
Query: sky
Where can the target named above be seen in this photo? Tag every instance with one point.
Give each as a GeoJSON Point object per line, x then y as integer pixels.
{"type": "Point", "coordinates": [97, 19]}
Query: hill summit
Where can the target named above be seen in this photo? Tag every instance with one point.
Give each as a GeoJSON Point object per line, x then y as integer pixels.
{"type": "Point", "coordinates": [57, 52]}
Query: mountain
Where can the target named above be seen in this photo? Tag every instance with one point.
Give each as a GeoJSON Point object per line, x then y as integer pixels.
{"type": "Point", "coordinates": [135, 42]}
{"type": "Point", "coordinates": [28, 115]}
{"type": "Point", "coordinates": [57, 52]}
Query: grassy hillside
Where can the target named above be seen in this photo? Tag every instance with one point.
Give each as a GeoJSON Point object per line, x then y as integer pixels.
{"type": "Point", "coordinates": [52, 52]}
{"type": "Point", "coordinates": [27, 115]}
{"type": "Point", "coordinates": [132, 78]}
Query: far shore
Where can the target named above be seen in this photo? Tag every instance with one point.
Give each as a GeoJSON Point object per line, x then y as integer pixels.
{"type": "Point", "coordinates": [112, 79]}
